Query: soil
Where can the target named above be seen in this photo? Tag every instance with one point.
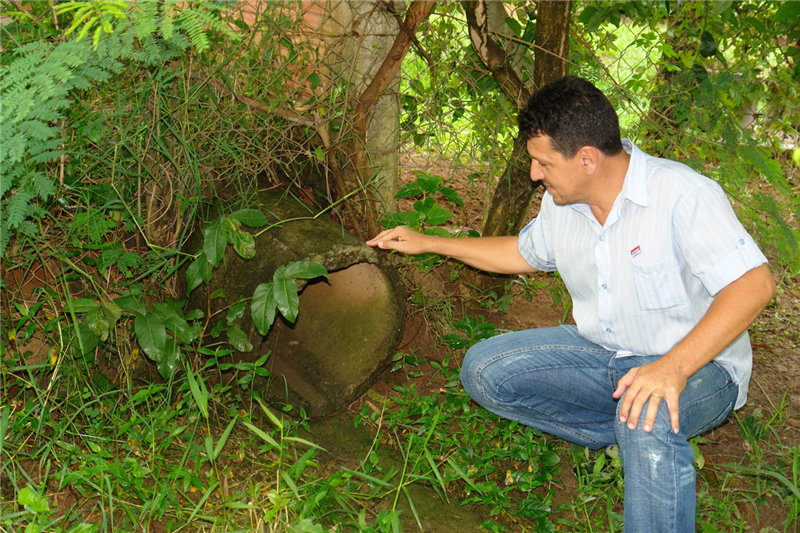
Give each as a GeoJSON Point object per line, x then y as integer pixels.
{"type": "Point", "coordinates": [774, 396]}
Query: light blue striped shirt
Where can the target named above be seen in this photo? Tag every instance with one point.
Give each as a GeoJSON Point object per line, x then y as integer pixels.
{"type": "Point", "coordinates": [643, 280]}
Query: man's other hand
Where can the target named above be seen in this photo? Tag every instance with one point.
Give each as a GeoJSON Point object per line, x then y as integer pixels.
{"type": "Point", "coordinates": [655, 381]}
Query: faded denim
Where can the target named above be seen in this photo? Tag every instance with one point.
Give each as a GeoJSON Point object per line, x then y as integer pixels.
{"type": "Point", "coordinates": [556, 381]}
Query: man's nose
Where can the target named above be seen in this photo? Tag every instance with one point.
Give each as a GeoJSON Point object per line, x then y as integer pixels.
{"type": "Point", "coordinates": [536, 171]}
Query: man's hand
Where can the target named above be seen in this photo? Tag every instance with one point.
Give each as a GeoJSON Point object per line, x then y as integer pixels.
{"type": "Point", "coordinates": [735, 307]}
{"type": "Point", "coordinates": [402, 239]}
{"type": "Point", "coordinates": [657, 380]}
{"type": "Point", "coordinates": [493, 254]}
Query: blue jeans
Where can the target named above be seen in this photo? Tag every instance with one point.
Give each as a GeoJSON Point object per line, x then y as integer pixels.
{"type": "Point", "coordinates": [554, 380]}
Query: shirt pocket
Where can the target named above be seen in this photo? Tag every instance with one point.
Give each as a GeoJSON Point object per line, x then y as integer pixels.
{"type": "Point", "coordinates": [659, 286]}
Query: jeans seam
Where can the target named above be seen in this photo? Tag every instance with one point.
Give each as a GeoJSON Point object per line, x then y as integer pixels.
{"type": "Point", "coordinates": [567, 429]}
{"type": "Point", "coordinates": [479, 370]}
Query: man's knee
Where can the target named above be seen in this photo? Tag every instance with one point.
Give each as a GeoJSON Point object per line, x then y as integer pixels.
{"type": "Point", "coordinates": [469, 371]}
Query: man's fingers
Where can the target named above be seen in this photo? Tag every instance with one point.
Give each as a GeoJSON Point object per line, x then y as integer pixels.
{"type": "Point", "coordinates": [634, 409]}
{"type": "Point", "coordinates": [652, 411]}
{"type": "Point", "coordinates": [625, 382]}
{"type": "Point", "coordinates": [674, 416]}
{"type": "Point", "coordinates": [622, 385]}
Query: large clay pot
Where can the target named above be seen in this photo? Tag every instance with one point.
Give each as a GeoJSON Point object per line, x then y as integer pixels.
{"type": "Point", "coordinates": [348, 325]}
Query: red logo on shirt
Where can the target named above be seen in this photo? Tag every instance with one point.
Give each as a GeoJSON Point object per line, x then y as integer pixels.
{"type": "Point", "coordinates": [636, 251]}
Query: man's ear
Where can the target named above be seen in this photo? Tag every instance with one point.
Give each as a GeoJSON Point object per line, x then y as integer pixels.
{"type": "Point", "coordinates": [589, 158]}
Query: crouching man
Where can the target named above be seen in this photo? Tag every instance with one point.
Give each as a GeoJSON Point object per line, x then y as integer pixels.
{"type": "Point", "coordinates": [664, 280]}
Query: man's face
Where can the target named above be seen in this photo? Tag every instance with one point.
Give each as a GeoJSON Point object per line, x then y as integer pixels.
{"type": "Point", "coordinates": [563, 178]}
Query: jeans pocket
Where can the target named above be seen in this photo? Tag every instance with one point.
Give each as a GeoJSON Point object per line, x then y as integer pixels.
{"type": "Point", "coordinates": [723, 416]}
{"type": "Point", "coordinates": [705, 411]}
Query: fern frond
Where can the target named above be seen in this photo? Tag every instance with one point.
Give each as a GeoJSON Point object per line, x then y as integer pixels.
{"type": "Point", "coordinates": [45, 151]}
{"type": "Point", "coordinates": [37, 130]}
{"type": "Point", "coordinates": [12, 174]}
{"type": "Point", "coordinates": [43, 185]}
{"type": "Point", "coordinates": [5, 234]}
{"type": "Point", "coordinates": [44, 114]}
{"type": "Point", "coordinates": [13, 150]}
{"type": "Point", "coordinates": [146, 19]}
{"type": "Point", "coordinates": [27, 227]}
{"type": "Point", "coordinates": [193, 23]}
{"type": "Point", "coordinates": [18, 208]}
{"type": "Point", "coordinates": [47, 155]}
{"type": "Point", "coordinates": [28, 58]}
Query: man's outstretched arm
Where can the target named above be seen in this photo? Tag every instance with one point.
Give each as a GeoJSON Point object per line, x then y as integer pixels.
{"type": "Point", "coordinates": [733, 310]}
{"type": "Point", "coordinates": [499, 255]}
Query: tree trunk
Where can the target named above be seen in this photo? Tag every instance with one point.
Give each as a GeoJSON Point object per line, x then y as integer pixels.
{"type": "Point", "coordinates": [512, 198]}
{"type": "Point", "coordinates": [369, 112]}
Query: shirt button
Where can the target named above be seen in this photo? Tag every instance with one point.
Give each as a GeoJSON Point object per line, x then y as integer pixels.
{"type": "Point", "coordinates": [608, 330]}
{"type": "Point", "coordinates": [741, 241]}
{"type": "Point", "coordinates": [604, 286]}
{"type": "Point", "coordinates": [602, 237]}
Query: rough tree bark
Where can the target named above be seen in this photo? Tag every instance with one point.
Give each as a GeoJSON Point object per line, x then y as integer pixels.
{"type": "Point", "coordinates": [514, 192]}
{"type": "Point", "coordinates": [417, 12]}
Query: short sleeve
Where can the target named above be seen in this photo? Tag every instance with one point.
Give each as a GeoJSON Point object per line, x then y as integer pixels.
{"type": "Point", "coordinates": [713, 241]}
{"type": "Point", "coordinates": [534, 239]}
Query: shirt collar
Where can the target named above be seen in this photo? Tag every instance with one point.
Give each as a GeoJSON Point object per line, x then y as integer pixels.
{"type": "Point", "coordinates": [635, 186]}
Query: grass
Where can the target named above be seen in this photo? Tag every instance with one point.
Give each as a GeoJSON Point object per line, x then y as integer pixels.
{"type": "Point", "coordinates": [203, 454]}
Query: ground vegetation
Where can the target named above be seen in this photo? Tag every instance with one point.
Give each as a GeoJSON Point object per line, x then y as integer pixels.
{"type": "Point", "coordinates": [127, 126]}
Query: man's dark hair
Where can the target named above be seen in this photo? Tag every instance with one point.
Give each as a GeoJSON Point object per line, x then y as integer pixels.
{"type": "Point", "coordinates": [573, 113]}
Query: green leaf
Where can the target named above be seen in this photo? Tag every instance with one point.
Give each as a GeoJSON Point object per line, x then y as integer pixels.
{"type": "Point", "coordinates": [514, 25]}
{"type": "Point", "coordinates": [587, 14]}
{"type": "Point", "coordinates": [429, 183]}
{"type": "Point", "coordinates": [83, 305]}
{"type": "Point", "coordinates": [720, 6]}
{"type": "Point", "coordinates": [437, 215]}
{"type": "Point", "coordinates": [315, 80]}
{"type": "Point", "coordinates": [235, 312]}
{"type": "Point", "coordinates": [243, 243]}
{"type": "Point", "coordinates": [168, 364]}
{"type": "Point", "coordinates": [409, 190]}
{"type": "Point", "coordinates": [304, 270]}
{"type": "Point", "coordinates": [84, 341]}
{"type": "Point", "coordinates": [111, 311]}
{"type": "Point", "coordinates": [249, 217]}
{"type": "Point", "coordinates": [199, 392]}
{"type": "Point", "coordinates": [259, 432]}
{"type": "Point", "coordinates": [83, 527]}
{"type": "Point", "coordinates": [175, 322]}
{"type": "Point", "coordinates": [591, 17]}
{"type": "Point", "coordinates": [392, 220]}
{"type": "Point", "coordinates": [239, 340]}
{"type": "Point", "coordinates": [98, 324]}
{"type": "Point", "coordinates": [418, 86]}
{"type": "Point", "coordinates": [198, 272]}
{"type": "Point", "coordinates": [223, 438]}
{"type": "Point", "coordinates": [131, 305]}
{"type": "Point", "coordinates": [151, 333]}
{"type": "Point", "coordinates": [708, 46]}
{"type": "Point", "coordinates": [451, 195]}
{"type": "Point", "coordinates": [550, 458]}
{"type": "Point", "coordinates": [214, 242]}
{"type": "Point", "coordinates": [33, 500]}
{"type": "Point", "coordinates": [441, 232]}
{"type": "Point", "coordinates": [194, 314]}
{"type": "Point", "coordinates": [788, 11]}
{"type": "Point", "coordinates": [262, 307]}
{"type": "Point", "coordinates": [286, 297]}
